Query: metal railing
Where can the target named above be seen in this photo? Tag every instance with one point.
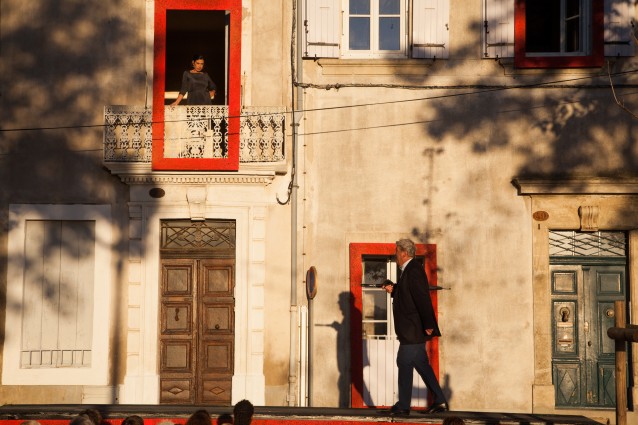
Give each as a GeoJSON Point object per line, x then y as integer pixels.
{"type": "Point", "coordinates": [194, 132]}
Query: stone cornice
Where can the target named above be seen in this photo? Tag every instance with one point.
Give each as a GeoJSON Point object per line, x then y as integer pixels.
{"type": "Point", "coordinates": [141, 174]}
{"type": "Point", "coordinates": [577, 186]}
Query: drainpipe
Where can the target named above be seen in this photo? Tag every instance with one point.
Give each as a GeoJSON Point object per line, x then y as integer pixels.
{"type": "Point", "coordinates": [296, 76]}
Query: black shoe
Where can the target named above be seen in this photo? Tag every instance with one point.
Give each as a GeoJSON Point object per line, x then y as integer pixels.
{"type": "Point", "coordinates": [396, 411]}
{"type": "Point", "coordinates": [436, 408]}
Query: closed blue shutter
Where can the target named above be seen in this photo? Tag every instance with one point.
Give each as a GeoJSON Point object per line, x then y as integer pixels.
{"type": "Point", "coordinates": [498, 28]}
{"type": "Point", "coordinates": [322, 28]}
{"type": "Point", "coordinates": [430, 33]}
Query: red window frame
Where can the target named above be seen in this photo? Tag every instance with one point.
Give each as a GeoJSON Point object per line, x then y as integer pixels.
{"type": "Point", "coordinates": [231, 163]}
{"type": "Point", "coordinates": [357, 252]}
{"type": "Point", "coordinates": [594, 59]}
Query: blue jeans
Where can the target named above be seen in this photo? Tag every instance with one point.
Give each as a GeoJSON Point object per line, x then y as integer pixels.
{"type": "Point", "coordinates": [410, 357]}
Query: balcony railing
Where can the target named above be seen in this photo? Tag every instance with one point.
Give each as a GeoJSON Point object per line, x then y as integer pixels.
{"type": "Point", "coordinates": [194, 132]}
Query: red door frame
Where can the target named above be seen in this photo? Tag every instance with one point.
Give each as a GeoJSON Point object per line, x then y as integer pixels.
{"type": "Point", "coordinates": [234, 86]}
{"type": "Point", "coordinates": [357, 251]}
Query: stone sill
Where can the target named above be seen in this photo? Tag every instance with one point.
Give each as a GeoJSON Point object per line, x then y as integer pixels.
{"type": "Point", "coordinates": [141, 173]}
{"type": "Point", "coordinates": [577, 186]}
{"type": "Point", "coordinates": [374, 66]}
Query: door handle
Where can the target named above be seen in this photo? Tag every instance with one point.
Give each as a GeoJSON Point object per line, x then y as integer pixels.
{"type": "Point", "coordinates": [586, 327]}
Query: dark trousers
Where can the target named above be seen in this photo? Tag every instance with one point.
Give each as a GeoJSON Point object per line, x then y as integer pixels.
{"type": "Point", "coordinates": [410, 357]}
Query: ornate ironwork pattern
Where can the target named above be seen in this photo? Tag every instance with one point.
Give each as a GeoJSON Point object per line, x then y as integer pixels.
{"type": "Point", "coordinates": [202, 235]}
{"type": "Point", "coordinates": [591, 244]}
{"type": "Point", "coordinates": [197, 131]}
{"type": "Point", "coordinates": [194, 132]}
{"type": "Point", "coordinates": [127, 134]}
{"type": "Point", "coordinates": [262, 134]}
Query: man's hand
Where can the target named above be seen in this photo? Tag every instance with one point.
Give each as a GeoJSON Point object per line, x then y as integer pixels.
{"type": "Point", "coordinates": [429, 331]}
{"type": "Point", "coordinates": [388, 286]}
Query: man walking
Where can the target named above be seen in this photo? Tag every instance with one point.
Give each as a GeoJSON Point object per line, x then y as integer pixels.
{"type": "Point", "coordinates": [414, 324]}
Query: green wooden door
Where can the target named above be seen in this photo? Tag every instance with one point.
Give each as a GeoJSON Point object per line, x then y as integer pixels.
{"type": "Point", "coordinates": [582, 310]}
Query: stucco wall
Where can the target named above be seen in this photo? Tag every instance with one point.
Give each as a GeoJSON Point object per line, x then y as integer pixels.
{"type": "Point", "coordinates": [61, 64]}
{"type": "Point", "coordinates": [391, 152]}
{"type": "Point", "coordinates": [414, 148]}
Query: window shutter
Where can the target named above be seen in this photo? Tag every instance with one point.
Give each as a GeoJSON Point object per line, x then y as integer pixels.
{"type": "Point", "coordinates": [321, 28]}
{"type": "Point", "coordinates": [619, 40]}
{"type": "Point", "coordinates": [498, 28]}
{"type": "Point", "coordinates": [58, 288]}
{"type": "Point", "coordinates": [430, 33]}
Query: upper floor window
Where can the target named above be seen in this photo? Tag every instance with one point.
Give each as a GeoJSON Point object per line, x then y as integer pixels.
{"type": "Point", "coordinates": [202, 137]}
{"type": "Point", "coordinates": [371, 29]}
{"type": "Point", "coordinates": [557, 33]}
{"type": "Point", "coordinates": [376, 28]}
{"type": "Point", "coordinates": [557, 27]}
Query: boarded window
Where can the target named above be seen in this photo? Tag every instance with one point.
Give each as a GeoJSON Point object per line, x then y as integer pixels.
{"type": "Point", "coordinates": [58, 294]}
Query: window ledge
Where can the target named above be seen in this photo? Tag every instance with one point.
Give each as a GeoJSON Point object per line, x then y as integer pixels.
{"type": "Point", "coordinates": [374, 66]}
{"type": "Point", "coordinates": [510, 70]}
{"type": "Point", "coordinates": [134, 174]}
{"type": "Point", "coordinates": [574, 186]}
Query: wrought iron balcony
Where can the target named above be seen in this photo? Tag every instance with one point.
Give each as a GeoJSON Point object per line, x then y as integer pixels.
{"type": "Point", "coordinates": [194, 132]}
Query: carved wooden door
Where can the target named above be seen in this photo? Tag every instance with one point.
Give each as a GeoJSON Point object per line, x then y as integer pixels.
{"type": "Point", "coordinates": [583, 356]}
{"type": "Point", "coordinates": [196, 331]}
{"type": "Point", "coordinates": [588, 273]}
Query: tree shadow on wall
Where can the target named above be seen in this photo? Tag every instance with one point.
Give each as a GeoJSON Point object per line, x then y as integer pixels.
{"type": "Point", "coordinates": [62, 63]}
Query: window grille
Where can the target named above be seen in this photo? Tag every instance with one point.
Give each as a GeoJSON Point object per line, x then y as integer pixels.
{"type": "Point", "coordinates": [595, 244]}
{"type": "Point", "coordinates": [206, 235]}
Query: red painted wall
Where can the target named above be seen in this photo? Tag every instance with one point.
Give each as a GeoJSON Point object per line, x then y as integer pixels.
{"type": "Point", "coordinates": [181, 421]}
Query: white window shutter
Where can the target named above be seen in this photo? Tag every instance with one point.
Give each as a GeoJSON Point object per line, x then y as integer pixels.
{"type": "Point", "coordinates": [498, 28]}
{"type": "Point", "coordinates": [322, 29]}
{"type": "Point", "coordinates": [430, 33]}
{"type": "Point", "coordinates": [619, 20]}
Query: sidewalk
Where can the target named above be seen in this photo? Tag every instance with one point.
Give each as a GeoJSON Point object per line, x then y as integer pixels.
{"type": "Point", "coordinates": [153, 414]}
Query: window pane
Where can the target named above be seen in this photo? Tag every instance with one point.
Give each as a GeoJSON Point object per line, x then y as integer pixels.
{"type": "Point", "coordinates": [572, 8]}
{"type": "Point", "coordinates": [374, 305]}
{"type": "Point", "coordinates": [572, 26]}
{"type": "Point", "coordinates": [375, 329]}
{"type": "Point", "coordinates": [374, 271]}
{"type": "Point", "coordinates": [359, 7]}
{"type": "Point", "coordinates": [389, 7]}
{"type": "Point", "coordinates": [359, 33]}
{"type": "Point", "coordinates": [572, 36]}
{"type": "Point", "coordinates": [542, 25]}
{"type": "Point", "coordinates": [389, 36]}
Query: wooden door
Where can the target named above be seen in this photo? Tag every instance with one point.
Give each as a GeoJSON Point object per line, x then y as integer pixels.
{"type": "Point", "coordinates": [583, 356]}
{"type": "Point", "coordinates": [196, 331]}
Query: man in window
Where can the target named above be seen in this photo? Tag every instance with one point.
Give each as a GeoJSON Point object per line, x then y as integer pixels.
{"type": "Point", "coordinates": [414, 324]}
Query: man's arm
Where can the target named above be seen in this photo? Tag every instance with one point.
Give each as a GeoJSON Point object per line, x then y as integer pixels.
{"type": "Point", "coordinates": [420, 290]}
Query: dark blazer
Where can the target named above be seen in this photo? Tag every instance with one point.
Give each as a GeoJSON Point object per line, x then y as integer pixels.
{"type": "Point", "coordinates": [412, 306]}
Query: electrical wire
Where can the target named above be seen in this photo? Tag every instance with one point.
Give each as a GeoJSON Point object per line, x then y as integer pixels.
{"type": "Point", "coordinates": [482, 89]}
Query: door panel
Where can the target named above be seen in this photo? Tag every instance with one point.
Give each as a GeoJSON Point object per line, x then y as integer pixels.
{"type": "Point", "coordinates": [567, 384]}
{"type": "Point", "coordinates": [216, 326]}
{"type": "Point", "coordinates": [583, 358]}
{"type": "Point", "coordinates": [196, 331]}
{"type": "Point", "coordinates": [607, 284]}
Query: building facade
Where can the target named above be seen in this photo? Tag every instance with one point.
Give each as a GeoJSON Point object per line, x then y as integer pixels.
{"type": "Point", "coordinates": [204, 254]}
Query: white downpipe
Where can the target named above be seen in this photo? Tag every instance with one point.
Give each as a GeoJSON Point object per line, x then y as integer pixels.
{"type": "Point", "coordinates": [297, 105]}
{"type": "Point", "coordinates": [303, 356]}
